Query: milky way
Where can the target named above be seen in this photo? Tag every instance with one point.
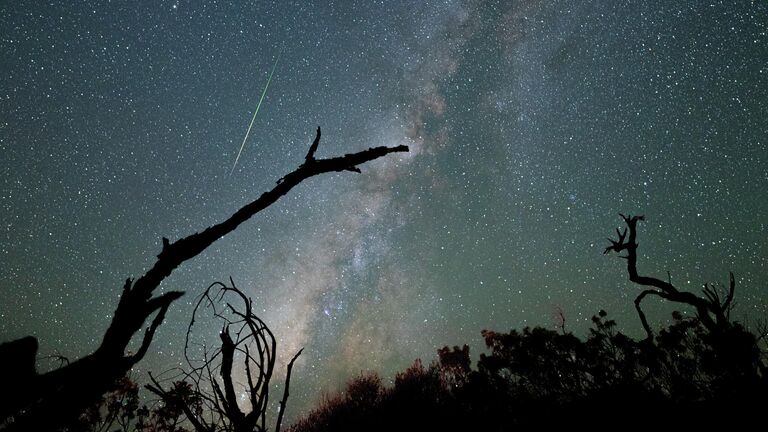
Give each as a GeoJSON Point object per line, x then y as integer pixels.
{"type": "Point", "coordinates": [531, 125]}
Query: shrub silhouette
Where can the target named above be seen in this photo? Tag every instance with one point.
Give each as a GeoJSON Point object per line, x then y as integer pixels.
{"type": "Point", "coordinates": [539, 376]}
{"type": "Point", "coordinates": [119, 410]}
{"type": "Point", "coordinates": [698, 366]}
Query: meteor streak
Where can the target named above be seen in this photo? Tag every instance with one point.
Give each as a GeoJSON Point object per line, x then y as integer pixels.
{"type": "Point", "coordinates": [256, 112]}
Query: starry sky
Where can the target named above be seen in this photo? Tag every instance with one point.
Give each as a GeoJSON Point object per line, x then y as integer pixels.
{"type": "Point", "coordinates": [531, 125]}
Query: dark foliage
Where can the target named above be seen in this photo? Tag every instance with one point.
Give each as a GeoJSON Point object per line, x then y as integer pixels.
{"type": "Point", "coordinates": [119, 410]}
{"type": "Point", "coordinates": [540, 377]}
{"type": "Point", "coordinates": [701, 371]}
{"type": "Point", "coordinates": [116, 409]}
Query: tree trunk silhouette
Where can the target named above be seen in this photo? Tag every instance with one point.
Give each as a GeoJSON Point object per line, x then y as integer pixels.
{"type": "Point", "coordinates": [51, 399]}
{"type": "Point", "coordinates": [712, 310]}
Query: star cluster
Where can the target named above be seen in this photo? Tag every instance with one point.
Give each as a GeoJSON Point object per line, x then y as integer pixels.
{"type": "Point", "coordinates": [531, 125]}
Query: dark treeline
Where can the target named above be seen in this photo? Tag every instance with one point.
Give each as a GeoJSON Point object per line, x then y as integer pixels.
{"type": "Point", "coordinates": [685, 377]}
{"type": "Point", "coordinates": [703, 370]}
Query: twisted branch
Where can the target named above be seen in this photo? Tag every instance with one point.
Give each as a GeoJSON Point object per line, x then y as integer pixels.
{"type": "Point", "coordinates": [241, 330]}
{"type": "Point", "coordinates": [711, 310]}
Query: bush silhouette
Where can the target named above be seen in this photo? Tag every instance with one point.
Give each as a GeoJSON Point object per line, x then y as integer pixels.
{"type": "Point", "coordinates": [540, 377]}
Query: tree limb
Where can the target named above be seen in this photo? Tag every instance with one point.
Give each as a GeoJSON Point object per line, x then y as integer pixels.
{"type": "Point", "coordinates": [310, 157]}
{"type": "Point", "coordinates": [62, 394]}
{"type": "Point", "coordinates": [227, 358]}
{"type": "Point", "coordinates": [162, 303]}
{"type": "Point", "coordinates": [284, 401]}
{"type": "Point", "coordinates": [641, 314]}
{"type": "Point", "coordinates": [711, 311]}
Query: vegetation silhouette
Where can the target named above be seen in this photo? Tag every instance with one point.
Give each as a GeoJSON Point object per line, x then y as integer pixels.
{"type": "Point", "coordinates": [527, 379]}
{"type": "Point", "coordinates": [703, 370]}
{"type": "Point", "coordinates": [210, 400]}
{"type": "Point", "coordinates": [541, 377]}
{"type": "Point", "coordinates": [713, 310]}
{"type": "Point", "coordinates": [119, 410]}
{"type": "Point", "coordinates": [51, 400]}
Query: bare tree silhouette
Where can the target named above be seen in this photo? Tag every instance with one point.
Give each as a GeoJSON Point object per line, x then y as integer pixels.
{"type": "Point", "coordinates": [40, 402]}
{"type": "Point", "coordinates": [713, 310]}
{"type": "Point", "coordinates": [220, 410]}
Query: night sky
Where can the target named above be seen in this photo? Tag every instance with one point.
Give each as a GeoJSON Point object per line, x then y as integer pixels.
{"type": "Point", "coordinates": [531, 125]}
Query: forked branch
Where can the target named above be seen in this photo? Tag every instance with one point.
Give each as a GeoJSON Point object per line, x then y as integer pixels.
{"type": "Point", "coordinates": [211, 378]}
{"type": "Point", "coordinates": [712, 310]}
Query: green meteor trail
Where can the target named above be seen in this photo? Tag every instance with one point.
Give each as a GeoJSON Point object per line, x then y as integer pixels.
{"type": "Point", "coordinates": [263, 93]}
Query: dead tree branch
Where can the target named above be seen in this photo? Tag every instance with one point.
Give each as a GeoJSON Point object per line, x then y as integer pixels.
{"type": "Point", "coordinates": [712, 310]}
{"type": "Point", "coordinates": [284, 401]}
{"type": "Point", "coordinates": [65, 392]}
{"type": "Point", "coordinates": [212, 377]}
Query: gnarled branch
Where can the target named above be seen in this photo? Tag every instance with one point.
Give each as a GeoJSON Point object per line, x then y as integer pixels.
{"type": "Point", "coordinates": [284, 401]}
{"type": "Point", "coordinates": [242, 329]}
{"type": "Point", "coordinates": [710, 309]}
